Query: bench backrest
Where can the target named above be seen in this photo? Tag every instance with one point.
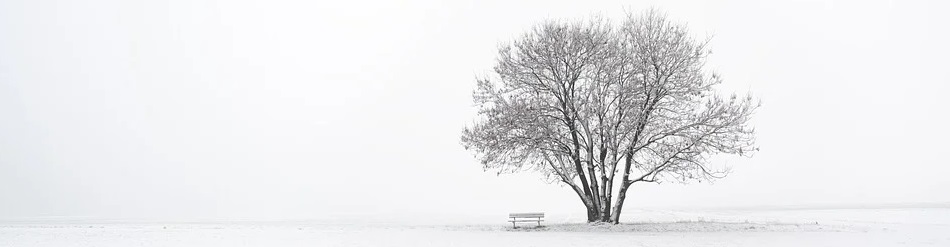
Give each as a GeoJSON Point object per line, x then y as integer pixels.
{"type": "Point", "coordinates": [526, 215]}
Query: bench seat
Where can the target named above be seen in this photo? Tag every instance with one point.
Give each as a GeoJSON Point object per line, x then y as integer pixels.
{"type": "Point", "coordinates": [525, 217]}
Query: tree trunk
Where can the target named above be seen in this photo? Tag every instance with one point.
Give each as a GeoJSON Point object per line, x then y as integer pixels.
{"type": "Point", "coordinates": [594, 213]}
{"type": "Point", "coordinates": [591, 215]}
{"type": "Point", "coordinates": [618, 207]}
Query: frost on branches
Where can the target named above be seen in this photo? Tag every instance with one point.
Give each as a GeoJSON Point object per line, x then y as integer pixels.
{"type": "Point", "coordinates": [598, 107]}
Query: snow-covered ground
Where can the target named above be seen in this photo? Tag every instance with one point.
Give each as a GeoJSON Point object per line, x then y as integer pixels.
{"type": "Point", "coordinates": [815, 227]}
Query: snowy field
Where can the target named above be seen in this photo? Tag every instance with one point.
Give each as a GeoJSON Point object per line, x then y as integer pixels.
{"type": "Point", "coordinates": [802, 227]}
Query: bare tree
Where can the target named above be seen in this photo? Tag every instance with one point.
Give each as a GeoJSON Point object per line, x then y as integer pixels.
{"type": "Point", "coordinates": [585, 101]}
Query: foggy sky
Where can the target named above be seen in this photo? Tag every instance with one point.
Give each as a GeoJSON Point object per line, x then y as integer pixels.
{"type": "Point", "coordinates": [200, 110]}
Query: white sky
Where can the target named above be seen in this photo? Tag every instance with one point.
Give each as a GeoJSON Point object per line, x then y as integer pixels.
{"type": "Point", "coordinates": [202, 110]}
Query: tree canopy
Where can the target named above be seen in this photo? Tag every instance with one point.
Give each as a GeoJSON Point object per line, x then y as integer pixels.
{"type": "Point", "coordinates": [598, 107]}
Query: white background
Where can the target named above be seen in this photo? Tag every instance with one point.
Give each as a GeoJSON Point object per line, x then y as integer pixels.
{"type": "Point", "coordinates": [226, 110]}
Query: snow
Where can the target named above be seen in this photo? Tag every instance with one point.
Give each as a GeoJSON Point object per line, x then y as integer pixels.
{"type": "Point", "coordinates": [822, 227]}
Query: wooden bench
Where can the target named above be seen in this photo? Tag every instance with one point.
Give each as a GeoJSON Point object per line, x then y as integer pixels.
{"type": "Point", "coordinates": [525, 217]}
